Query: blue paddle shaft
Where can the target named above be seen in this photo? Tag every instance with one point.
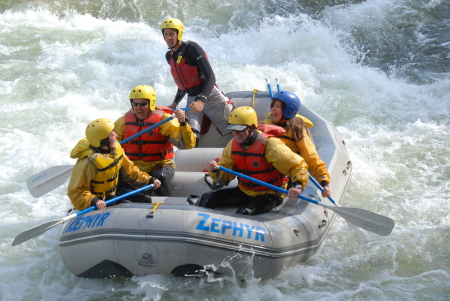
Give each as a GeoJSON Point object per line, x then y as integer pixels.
{"type": "Point", "coordinates": [270, 90]}
{"type": "Point", "coordinates": [320, 188]}
{"type": "Point", "coordinates": [264, 183]}
{"type": "Point", "coordinates": [115, 199]}
{"type": "Point", "coordinates": [151, 128]}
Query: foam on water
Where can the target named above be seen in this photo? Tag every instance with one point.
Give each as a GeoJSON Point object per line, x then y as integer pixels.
{"type": "Point", "coordinates": [62, 70]}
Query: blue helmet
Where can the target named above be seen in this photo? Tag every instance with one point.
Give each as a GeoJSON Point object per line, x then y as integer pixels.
{"type": "Point", "coordinates": [292, 103]}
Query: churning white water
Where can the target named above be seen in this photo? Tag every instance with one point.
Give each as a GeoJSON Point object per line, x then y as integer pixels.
{"type": "Point", "coordinates": [378, 70]}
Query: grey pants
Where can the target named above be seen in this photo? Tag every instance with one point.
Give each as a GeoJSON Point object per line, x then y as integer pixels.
{"type": "Point", "coordinates": [217, 108]}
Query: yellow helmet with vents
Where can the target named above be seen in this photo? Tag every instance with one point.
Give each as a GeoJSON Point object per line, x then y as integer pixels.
{"type": "Point", "coordinates": [175, 24]}
{"type": "Point", "coordinates": [144, 91]}
{"type": "Point", "coordinates": [242, 117]}
{"type": "Point", "coordinates": [98, 130]}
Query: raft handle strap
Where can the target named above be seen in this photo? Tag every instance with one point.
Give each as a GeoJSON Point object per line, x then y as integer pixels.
{"type": "Point", "coordinates": [213, 185]}
{"type": "Point", "coordinates": [253, 97]}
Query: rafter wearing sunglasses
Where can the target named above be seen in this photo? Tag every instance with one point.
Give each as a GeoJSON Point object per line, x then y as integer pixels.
{"type": "Point", "coordinates": [141, 104]}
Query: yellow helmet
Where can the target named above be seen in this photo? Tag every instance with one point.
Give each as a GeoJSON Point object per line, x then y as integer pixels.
{"type": "Point", "coordinates": [98, 130]}
{"type": "Point", "coordinates": [175, 24]}
{"type": "Point", "coordinates": [144, 91]}
{"type": "Point", "coordinates": [242, 117]}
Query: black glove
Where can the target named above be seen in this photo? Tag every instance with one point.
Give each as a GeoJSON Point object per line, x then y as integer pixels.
{"type": "Point", "coordinates": [109, 197]}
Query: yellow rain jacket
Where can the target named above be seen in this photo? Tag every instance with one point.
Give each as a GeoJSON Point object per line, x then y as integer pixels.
{"type": "Point", "coordinates": [277, 154]}
{"type": "Point", "coordinates": [96, 175]}
{"type": "Point", "coordinates": [172, 129]}
{"type": "Point", "coordinates": [305, 148]}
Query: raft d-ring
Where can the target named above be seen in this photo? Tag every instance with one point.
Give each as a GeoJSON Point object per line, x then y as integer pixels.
{"type": "Point", "coordinates": [349, 164]}
{"type": "Point", "coordinates": [146, 260]}
{"type": "Point", "coordinates": [151, 213]}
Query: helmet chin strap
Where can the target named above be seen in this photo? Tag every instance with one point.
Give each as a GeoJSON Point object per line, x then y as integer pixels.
{"type": "Point", "coordinates": [100, 149]}
{"type": "Point", "coordinates": [104, 148]}
{"type": "Point", "coordinates": [177, 46]}
{"type": "Point", "coordinates": [251, 137]}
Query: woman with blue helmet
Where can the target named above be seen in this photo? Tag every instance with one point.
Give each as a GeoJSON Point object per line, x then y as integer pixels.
{"type": "Point", "coordinates": [284, 108]}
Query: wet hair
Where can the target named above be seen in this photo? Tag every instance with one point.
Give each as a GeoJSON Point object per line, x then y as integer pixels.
{"type": "Point", "coordinates": [103, 142]}
{"type": "Point", "coordinates": [295, 124]}
{"type": "Point", "coordinates": [297, 127]}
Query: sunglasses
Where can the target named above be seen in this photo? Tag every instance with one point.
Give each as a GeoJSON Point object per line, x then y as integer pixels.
{"type": "Point", "coordinates": [141, 104]}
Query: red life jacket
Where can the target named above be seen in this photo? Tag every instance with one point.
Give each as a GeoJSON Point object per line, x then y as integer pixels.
{"type": "Point", "coordinates": [252, 162]}
{"type": "Point", "coordinates": [184, 75]}
{"type": "Point", "coordinates": [151, 146]}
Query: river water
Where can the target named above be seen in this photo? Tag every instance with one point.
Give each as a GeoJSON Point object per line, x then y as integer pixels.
{"type": "Point", "coordinates": [379, 70]}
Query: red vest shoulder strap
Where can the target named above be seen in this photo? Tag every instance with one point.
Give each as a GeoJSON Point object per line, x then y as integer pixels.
{"type": "Point", "coordinates": [271, 130]}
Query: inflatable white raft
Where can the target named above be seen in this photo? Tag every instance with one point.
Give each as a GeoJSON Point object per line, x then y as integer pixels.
{"type": "Point", "coordinates": [185, 240]}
